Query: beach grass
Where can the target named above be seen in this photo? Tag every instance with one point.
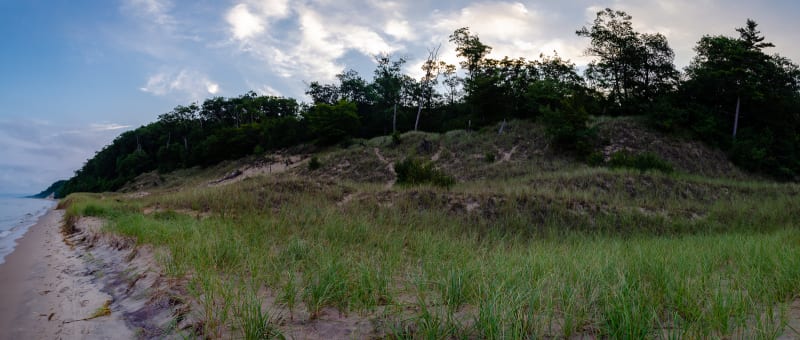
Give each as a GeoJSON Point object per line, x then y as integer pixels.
{"type": "Point", "coordinates": [608, 253]}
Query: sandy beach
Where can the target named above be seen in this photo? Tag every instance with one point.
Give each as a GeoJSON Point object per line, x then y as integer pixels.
{"type": "Point", "coordinates": [48, 293]}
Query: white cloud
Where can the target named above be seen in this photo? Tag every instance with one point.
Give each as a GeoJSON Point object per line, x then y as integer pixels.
{"type": "Point", "coordinates": [267, 90]}
{"type": "Point", "coordinates": [193, 84]}
{"type": "Point", "coordinates": [243, 23]}
{"type": "Point", "coordinates": [276, 9]}
{"type": "Point", "coordinates": [107, 126]}
{"type": "Point", "coordinates": [311, 41]}
{"type": "Point", "coordinates": [400, 30]}
{"type": "Point", "coordinates": [499, 21]}
{"type": "Point", "coordinates": [156, 11]}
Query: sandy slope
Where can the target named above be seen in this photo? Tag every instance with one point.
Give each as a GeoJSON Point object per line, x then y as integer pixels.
{"type": "Point", "coordinates": [46, 289]}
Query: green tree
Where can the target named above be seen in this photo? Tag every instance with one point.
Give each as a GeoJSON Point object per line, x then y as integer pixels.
{"type": "Point", "coordinates": [632, 68]}
{"type": "Point", "coordinates": [330, 124]}
{"type": "Point", "coordinates": [734, 85]}
{"type": "Point", "coordinates": [388, 83]}
{"type": "Point", "coordinates": [469, 47]}
{"type": "Point", "coordinates": [323, 93]}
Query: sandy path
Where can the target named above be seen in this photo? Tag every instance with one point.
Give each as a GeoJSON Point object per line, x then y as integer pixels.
{"type": "Point", "coordinates": [45, 286]}
{"type": "Point", "coordinates": [505, 156]}
{"type": "Point", "coordinates": [389, 167]}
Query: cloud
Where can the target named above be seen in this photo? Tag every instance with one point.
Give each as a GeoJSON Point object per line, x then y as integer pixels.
{"type": "Point", "coordinates": [399, 29]}
{"type": "Point", "coordinates": [267, 90]}
{"type": "Point", "coordinates": [192, 84]}
{"type": "Point", "coordinates": [287, 42]}
{"type": "Point", "coordinates": [156, 11]}
{"type": "Point", "coordinates": [297, 40]}
{"type": "Point", "coordinates": [107, 126]}
{"type": "Point", "coordinates": [37, 153]}
{"type": "Point", "coordinates": [271, 9]}
{"type": "Point", "coordinates": [243, 23]}
{"type": "Point", "coordinates": [684, 22]}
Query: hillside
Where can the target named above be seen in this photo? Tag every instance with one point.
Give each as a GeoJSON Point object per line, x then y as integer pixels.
{"type": "Point", "coordinates": [522, 150]}
{"type": "Point", "coordinates": [51, 191]}
{"type": "Point", "coordinates": [527, 242]}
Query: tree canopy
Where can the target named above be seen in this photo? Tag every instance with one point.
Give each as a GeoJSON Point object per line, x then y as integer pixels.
{"type": "Point", "coordinates": [632, 68]}
{"type": "Point", "coordinates": [732, 83]}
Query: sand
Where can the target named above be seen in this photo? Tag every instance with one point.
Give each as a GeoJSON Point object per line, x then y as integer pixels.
{"type": "Point", "coordinates": [46, 290]}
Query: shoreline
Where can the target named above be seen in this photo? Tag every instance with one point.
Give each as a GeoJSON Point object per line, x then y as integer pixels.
{"type": "Point", "coordinates": [11, 237]}
{"type": "Point", "coordinates": [46, 289]}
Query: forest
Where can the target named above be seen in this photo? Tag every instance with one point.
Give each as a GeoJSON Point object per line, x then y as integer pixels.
{"type": "Point", "coordinates": [734, 96]}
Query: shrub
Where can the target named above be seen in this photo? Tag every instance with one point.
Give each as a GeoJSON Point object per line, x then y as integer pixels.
{"type": "Point", "coordinates": [595, 159]}
{"type": "Point", "coordinates": [568, 127]}
{"type": "Point", "coordinates": [490, 157]}
{"type": "Point", "coordinates": [258, 150]}
{"type": "Point", "coordinates": [396, 139]}
{"type": "Point", "coordinates": [642, 162]}
{"type": "Point", "coordinates": [414, 172]}
{"type": "Point", "coordinates": [314, 163]}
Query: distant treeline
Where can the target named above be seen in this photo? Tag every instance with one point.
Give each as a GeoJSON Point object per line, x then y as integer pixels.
{"type": "Point", "coordinates": [733, 96]}
{"type": "Point", "coordinates": [53, 189]}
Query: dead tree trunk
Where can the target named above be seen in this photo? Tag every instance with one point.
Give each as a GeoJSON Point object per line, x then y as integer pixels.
{"type": "Point", "coordinates": [736, 118]}
{"type": "Point", "coordinates": [431, 68]}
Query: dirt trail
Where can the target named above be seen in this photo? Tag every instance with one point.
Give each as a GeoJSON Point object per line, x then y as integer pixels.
{"type": "Point", "coordinates": [389, 167]}
{"type": "Point", "coordinates": [346, 199]}
{"type": "Point", "coordinates": [275, 166]}
{"type": "Point", "coordinates": [505, 156]}
{"type": "Point", "coordinates": [437, 155]}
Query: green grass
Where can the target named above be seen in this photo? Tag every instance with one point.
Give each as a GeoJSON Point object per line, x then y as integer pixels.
{"type": "Point", "coordinates": [611, 253]}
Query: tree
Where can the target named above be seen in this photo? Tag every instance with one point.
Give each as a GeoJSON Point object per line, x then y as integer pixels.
{"type": "Point", "coordinates": [333, 123]}
{"type": "Point", "coordinates": [471, 48]}
{"type": "Point", "coordinates": [632, 68]}
{"type": "Point", "coordinates": [388, 83]}
{"type": "Point", "coordinates": [452, 81]}
{"type": "Point", "coordinates": [354, 89]}
{"type": "Point", "coordinates": [432, 68]}
{"type": "Point", "coordinates": [751, 37]}
{"type": "Point", "coordinates": [323, 93]}
{"type": "Point", "coordinates": [505, 88]}
{"type": "Point", "coordinates": [737, 88]}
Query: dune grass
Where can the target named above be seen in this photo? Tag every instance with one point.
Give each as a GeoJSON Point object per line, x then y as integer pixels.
{"type": "Point", "coordinates": [610, 253]}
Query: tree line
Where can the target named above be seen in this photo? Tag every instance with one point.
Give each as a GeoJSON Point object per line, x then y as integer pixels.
{"type": "Point", "coordinates": [733, 95]}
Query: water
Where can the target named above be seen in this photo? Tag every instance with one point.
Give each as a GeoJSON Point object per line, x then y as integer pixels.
{"type": "Point", "coordinates": [16, 216]}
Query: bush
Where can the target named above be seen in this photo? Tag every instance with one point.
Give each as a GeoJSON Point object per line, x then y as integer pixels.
{"type": "Point", "coordinates": [314, 163]}
{"type": "Point", "coordinates": [642, 162]}
{"type": "Point", "coordinates": [414, 172]}
{"type": "Point", "coordinates": [490, 157]}
{"type": "Point", "coordinates": [568, 127]}
{"type": "Point", "coordinates": [595, 159]}
{"type": "Point", "coordinates": [396, 139]}
{"type": "Point", "coordinates": [258, 150]}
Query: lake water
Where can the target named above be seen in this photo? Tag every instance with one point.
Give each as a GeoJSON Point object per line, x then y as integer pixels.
{"type": "Point", "coordinates": [16, 216]}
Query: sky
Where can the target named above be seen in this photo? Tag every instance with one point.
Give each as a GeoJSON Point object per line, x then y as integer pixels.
{"type": "Point", "coordinates": [74, 74]}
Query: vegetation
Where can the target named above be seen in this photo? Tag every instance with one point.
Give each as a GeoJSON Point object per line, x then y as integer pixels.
{"type": "Point", "coordinates": [654, 255]}
{"type": "Point", "coordinates": [413, 171]}
{"type": "Point", "coordinates": [733, 96]}
{"type": "Point", "coordinates": [53, 189]}
{"type": "Point", "coordinates": [642, 162]}
{"type": "Point", "coordinates": [495, 231]}
{"type": "Point", "coordinates": [314, 163]}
